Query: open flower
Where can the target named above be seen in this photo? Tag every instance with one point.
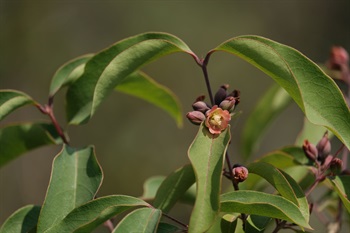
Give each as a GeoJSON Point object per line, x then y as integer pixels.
{"type": "Point", "coordinates": [217, 120]}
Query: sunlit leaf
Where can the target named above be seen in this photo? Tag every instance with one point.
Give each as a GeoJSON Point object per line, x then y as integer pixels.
{"type": "Point", "coordinates": [259, 203]}
{"type": "Point", "coordinates": [75, 179]}
{"type": "Point", "coordinates": [23, 220]}
{"type": "Point", "coordinates": [68, 73]}
{"type": "Point", "coordinates": [87, 217]}
{"type": "Point", "coordinates": [108, 68]}
{"type": "Point", "coordinates": [18, 139]}
{"type": "Point", "coordinates": [10, 100]}
{"type": "Point", "coordinates": [341, 185]}
{"type": "Point", "coordinates": [206, 154]}
{"type": "Point", "coordinates": [270, 105]}
{"type": "Point", "coordinates": [174, 187]}
{"type": "Point", "coordinates": [316, 94]}
{"type": "Point", "coordinates": [142, 220]}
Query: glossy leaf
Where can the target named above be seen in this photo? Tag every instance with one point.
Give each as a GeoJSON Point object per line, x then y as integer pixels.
{"type": "Point", "coordinates": [151, 186]}
{"type": "Point", "coordinates": [107, 69]}
{"type": "Point", "coordinates": [18, 139]}
{"type": "Point", "coordinates": [142, 86]}
{"type": "Point", "coordinates": [173, 188]}
{"type": "Point", "coordinates": [75, 179]}
{"type": "Point", "coordinates": [206, 154]}
{"type": "Point", "coordinates": [68, 73]}
{"type": "Point", "coordinates": [23, 220]}
{"type": "Point", "coordinates": [341, 185]}
{"type": "Point", "coordinates": [259, 203]}
{"type": "Point", "coordinates": [87, 217]}
{"type": "Point", "coordinates": [140, 220]}
{"type": "Point", "coordinates": [10, 100]}
{"type": "Point", "coordinates": [283, 183]}
{"type": "Point", "coordinates": [270, 105]}
{"type": "Point", "coordinates": [316, 94]}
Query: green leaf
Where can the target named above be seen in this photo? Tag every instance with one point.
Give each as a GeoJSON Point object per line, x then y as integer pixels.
{"type": "Point", "coordinates": [18, 139]}
{"type": "Point", "coordinates": [256, 223]}
{"type": "Point", "coordinates": [107, 69]}
{"type": "Point", "coordinates": [68, 73]}
{"type": "Point", "coordinates": [75, 179]}
{"type": "Point", "coordinates": [316, 94]}
{"type": "Point", "coordinates": [164, 227]}
{"type": "Point", "coordinates": [10, 100]}
{"type": "Point", "coordinates": [283, 183]}
{"type": "Point", "coordinates": [151, 186]}
{"type": "Point", "coordinates": [140, 220]}
{"type": "Point", "coordinates": [259, 203]}
{"type": "Point", "coordinates": [341, 185]}
{"type": "Point", "coordinates": [174, 187]}
{"type": "Point", "coordinates": [206, 154]}
{"type": "Point", "coordinates": [270, 105]}
{"type": "Point", "coordinates": [142, 86]}
{"type": "Point", "coordinates": [87, 217]}
{"type": "Point", "coordinates": [23, 220]}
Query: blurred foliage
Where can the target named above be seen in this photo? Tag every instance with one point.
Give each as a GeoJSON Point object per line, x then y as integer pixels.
{"type": "Point", "coordinates": [51, 32]}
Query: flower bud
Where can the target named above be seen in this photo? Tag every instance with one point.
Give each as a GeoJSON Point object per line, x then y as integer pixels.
{"type": "Point", "coordinates": [323, 147]}
{"type": "Point", "coordinates": [196, 117]}
{"type": "Point", "coordinates": [200, 106]}
{"type": "Point", "coordinates": [239, 173]}
{"type": "Point", "coordinates": [336, 166]}
{"type": "Point", "coordinates": [338, 58]}
{"type": "Point", "coordinates": [310, 150]}
{"type": "Point", "coordinates": [228, 104]}
{"type": "Point", "coordinates": [221, 94]}
{"type": "Point", "coordinates": [236, 94]}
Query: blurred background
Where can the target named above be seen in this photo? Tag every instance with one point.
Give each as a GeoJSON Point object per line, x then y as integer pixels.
{"type": "Point", "coordinates": [135, 140]}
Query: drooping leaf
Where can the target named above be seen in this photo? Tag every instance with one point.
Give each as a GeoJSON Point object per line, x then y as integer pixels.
{"type": "Point", "coordinates": [341, 185]}
{"type": "Point", "coordinates": [151, 186]}
{"type": "Point", "coordinates": [164, 227]}
{"type": "Point", "coordinates": [311, 132]}
{"type": "Point", "coordinates": [283, 183]}
{"type": "Point", "coordinates": [108, 68]}
{"type": "Point", "coordinates": [75, 179]}
{"type": "Point", "coordinates": [316, 94]}
{"type": "Point", "coordinates": [23, 220]}
{"type": "Point", "coordinates": [206, 155]}
{"type": "Point", "coordinates": [142, 220]}
{"type": "Point", "coordinates": [87, 217]}
{"type": "Point", "coordinates": [174, 187]}
{"type": "Point", "coordinates": [68, 73]}
{"type": "Point", "coordinates": [270, 105]}
{"type": "Point", "coordinates": [279, 159]}
{"type": "Point", "coordinates": [256, 223]}
{"type": "Point", "coordinates": [18, 139]}
{"type": "Point", "coordinates": [142, 86]}
{"type": "Point", "coordinates": [10, 100]}
{"type": "Point", "coordinates": [259, 203]}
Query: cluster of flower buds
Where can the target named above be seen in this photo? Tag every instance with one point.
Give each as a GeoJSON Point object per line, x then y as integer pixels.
{"type": "Point", "coordinates": [320, 154]}
{"type": "Point", "coordinates": [216, 117]}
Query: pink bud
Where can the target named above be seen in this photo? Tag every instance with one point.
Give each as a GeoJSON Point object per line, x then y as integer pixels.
{"type": "Point", "coordinates": [240, 173]}
{"type": "Point", "coordinates": [196, 117]}
{"type": "Point", "coordinates": [310, 150]}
